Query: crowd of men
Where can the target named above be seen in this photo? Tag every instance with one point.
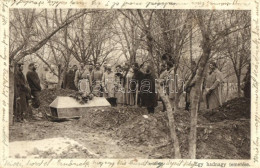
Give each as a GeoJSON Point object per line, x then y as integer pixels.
{"type": "Point", "coordinates": [125, 85]}
{"type": "Point", "coordinates": [26, 92]}
{"type": "Point", "coordinates": [120, 85]}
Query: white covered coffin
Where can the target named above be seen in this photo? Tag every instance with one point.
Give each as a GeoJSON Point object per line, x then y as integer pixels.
{"type": "Point", "coordinates": [66, 107]}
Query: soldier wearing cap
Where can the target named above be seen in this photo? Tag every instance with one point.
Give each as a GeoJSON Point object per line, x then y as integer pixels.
{"type": "Point", "coordinates": [34, 83]}
{"type": "Point", "coordinates": [128, 82]}
{"type": "Point", "coordinates": [69, 78]}
{"type": "Point", "coordinates": [83, 74]}
{"type": "Point", "coordinates": [213, 82]}
{"type": "Point", "coordinates": [108, 82]}
{"type": "Point", "coordinates": [97, 75]}
{"type": "Point", "coordinates": [119, 89]}
{"type": "Point", "coordinates": [90, 68]}
{"type": "Point", "coordinates": [22, 95]}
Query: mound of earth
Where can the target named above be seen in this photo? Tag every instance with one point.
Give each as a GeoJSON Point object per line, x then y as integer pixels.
{"type": "Point", "coordinates": [231, 110]}
{"type": "Point", "coordinates": [147, 129]}
{"type": "Point", "coordinates": [229, 138]}
{"type": "Point", "coordinates": [153, 129]}
{"type": "Point", "coordinates": [222, 133]}
{"type": "Point", "coordinates": [222, 140]}
{"type": "Point", "coordinates": [108, 117]}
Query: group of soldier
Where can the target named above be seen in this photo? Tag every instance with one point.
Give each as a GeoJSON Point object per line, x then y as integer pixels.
{"type": "Point", "coordinates": [26, 92]}
{"type": "Point", "coordinates": [136, 84]}
{"type": "Point", "coordinates": [122, 85]}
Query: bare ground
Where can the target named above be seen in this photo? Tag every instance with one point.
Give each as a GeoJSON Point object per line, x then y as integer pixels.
{"type": "Point", "coordinates": [123, 132]}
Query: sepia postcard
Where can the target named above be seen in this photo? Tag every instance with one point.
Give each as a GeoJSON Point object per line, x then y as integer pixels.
{"type": "Point", "coordinates": [120, 84]}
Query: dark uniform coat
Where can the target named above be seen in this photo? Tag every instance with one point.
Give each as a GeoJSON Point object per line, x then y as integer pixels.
{"type": "Point", "coordinates": [23, 94]}
{"type": "Point", "coordinates": [69, 80]}
{"type": "Point", "coordinates": [147, 88]}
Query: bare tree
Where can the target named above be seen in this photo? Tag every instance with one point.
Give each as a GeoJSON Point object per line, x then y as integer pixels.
{"type": "Point", "coordinates": [26, 37]}
{"type": "Point", "coordinates": [92, 39]}
{"type": "Point", "coordinates": [238, 48]}
{"type": "Point", "coordinates": [212, 31]}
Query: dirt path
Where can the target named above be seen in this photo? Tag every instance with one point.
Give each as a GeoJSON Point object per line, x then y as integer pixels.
{"type": "Point", "coordinates": [99, 142]}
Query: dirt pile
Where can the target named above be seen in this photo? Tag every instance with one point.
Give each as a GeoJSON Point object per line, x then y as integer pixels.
{"type": "Point", "coordinates": [222, 140]}
{"type": "Point", "coordinates": [222, 133]}
{"type": "Point", "coordinates": [108, 118]}
{"type": "Point", "coordinates": [144, 130]}
{"type": "Point", "coordinates": [228, 138]}
{"type": "Point", "coordinates": [231, 110]}
{"type": "Point", "coordinates": [154, 128]}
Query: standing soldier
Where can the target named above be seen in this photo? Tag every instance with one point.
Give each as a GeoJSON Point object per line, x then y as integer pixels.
{"type": "Point", "coordinates": [82, 74]}
{"type": "Point", "coordinates": [136, 83]}
{"type": "Point", "coordinates": [34, 83]}
{"type": "Point", "coordinates": [43, 79]}
{"type": "Point", "coordinates": [90, 68]}
{"type": "Point", "coordinates": [129, 93]}
{"type": "Point", "coordinates": [212, 86]}
{"type": "Point", "coordinates": [97, 75]}
{"type": "Point", "coordinates": [149, 97]}
{"type": "Point", "coordinates": [108, 82]}
{"type": "Point", "coordinates": [22, 96]}
{"type": "Point", "coordinates": [69, 78]}
{"type": "Point", "coordinates": [119, 89]}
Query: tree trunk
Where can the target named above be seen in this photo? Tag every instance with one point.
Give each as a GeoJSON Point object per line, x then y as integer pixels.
{"type": "Point", "coordinates": [173, 135]}
{"type": "Point", "coordinates": [170, 113]}
{"type": "Point", "coordinates": [238, 86]}
{"type": "Point", "coordinates": [195, 103]}
{"type": "Point", "coordinates": [206, 48]}
{"type": "Point", "coordinates": [59, 82]}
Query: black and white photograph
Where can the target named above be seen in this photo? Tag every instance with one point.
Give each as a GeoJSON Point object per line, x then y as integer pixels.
{"type": "Point", "coordinates": [129, 83]}
{"type": "Point", "coordinates": [87, 83]}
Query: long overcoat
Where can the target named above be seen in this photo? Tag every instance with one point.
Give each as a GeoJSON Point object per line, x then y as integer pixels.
{"type": "Point", "coordinates": [147, 89]}
{"type": "Point", "coordinates": [213, 82]}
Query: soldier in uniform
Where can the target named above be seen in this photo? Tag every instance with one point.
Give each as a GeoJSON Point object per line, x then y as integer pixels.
{"type": "Point", "coordinates": [69, 78]}
{"type": "Point", "coordinates": [22, 95]}
{"type": "Point", "coordinates": [129, 93]}
{"type": "Point", "coordinates": [34, 83]}
{"type": "Point", "coordinates": [149, 96]}
{"type": "Point", "coordinates": [119, 89]}
{"type": "Point", "coordinates": [97, 75]}
{"type": "Point", "coordinates": [108, 82]}
{"type": "Point", "coordinates": [90, 68]}
{"type": "Point", "coordinates": [83, 74]}
{"type": "Point", "coordinates": [212, 86]}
